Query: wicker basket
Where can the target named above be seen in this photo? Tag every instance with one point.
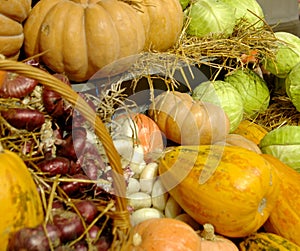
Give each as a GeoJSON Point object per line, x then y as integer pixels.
{"type": "Point", "coordinates": [120, 216]}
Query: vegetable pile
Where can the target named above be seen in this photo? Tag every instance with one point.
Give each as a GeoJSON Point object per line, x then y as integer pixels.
{"type": "Point", "coordinates": [207, 164]}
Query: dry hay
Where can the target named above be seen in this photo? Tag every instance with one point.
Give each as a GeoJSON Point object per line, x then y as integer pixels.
{"type": "Point", "coordinates": [280, 112]}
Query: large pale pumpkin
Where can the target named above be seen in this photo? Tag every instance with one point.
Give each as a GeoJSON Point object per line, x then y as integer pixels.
{"type": "Point", "coordinates": [12, 14]}
{"type": "Point", "coordinates": [20, 204]}
{"type": "Point", "coordinates": [284, 219]}
{"type": "Point", "coordinates": [239, 194]}
{"type": "Point", "coordinates": [81, 37]}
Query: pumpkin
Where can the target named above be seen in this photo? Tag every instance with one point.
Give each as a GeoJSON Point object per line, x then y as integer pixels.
{"type": "Point", "coordinates": [251, 131]}
{"type": "Point", "coordinates": [163, 234]}
{"type": "Point", "coordinates": [267, 241]}
{"type": "Point", "coordinates": [212, 242]}
{"type": "Point", "coordinates": [232, 188]}
{"type": "Point", "coordinates": [163, 23]}
{"type": "Point", "coordinates": [284, 219]}
{"type": "Point", "coordinates": [234, 139]}
{"type": "Point", "coordinates": [188, 122]}
{"type": "Point", "coordinates": [12, 14]}
{"type": "Point", "coordinates": [19, 199]}
{"type": "Point", "coordinates": [92, 34]}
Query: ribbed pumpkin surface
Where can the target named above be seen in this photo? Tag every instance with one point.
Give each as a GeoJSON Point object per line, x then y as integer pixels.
{"type": "Point", "coordinates": [12, 14]}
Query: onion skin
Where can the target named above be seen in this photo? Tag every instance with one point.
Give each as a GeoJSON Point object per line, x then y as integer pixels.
{"type": "Point", "coordinates": [24, 118]}
{"type": "Point", "coordinates": [54, 166]}
{"type": "Point", "coordinates": [54, 103]}
{"type": "Point", "coordinates": [73, 144]}
{"type": "Point", "coordinates": [16, 86]}
{"type": "Point", "coordinates": [87, 209]}
{"type": "Point", "coordinates": [73, 188]}
{"type": "Point", "coordinates": [35, 239]}
{"type": "Point", "coordinates": [69, 224]}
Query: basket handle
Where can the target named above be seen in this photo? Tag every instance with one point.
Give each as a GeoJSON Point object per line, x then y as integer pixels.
{"type": "Point", "coordinates": [101, 131]}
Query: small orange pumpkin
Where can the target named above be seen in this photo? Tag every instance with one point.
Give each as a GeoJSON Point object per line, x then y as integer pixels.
{"type": "Point", "coordinates": [164, 234]}
{"type": "Point", "coordinates": [188, 122]}
{"type": "Point", "coordinates": [20, 204]}
{"type": "Point", "coordinates": [212, 242]}
{"type": "Point", "coordinates": [284, 219]}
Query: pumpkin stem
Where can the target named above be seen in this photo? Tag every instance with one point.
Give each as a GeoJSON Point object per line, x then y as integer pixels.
{"type": "Point", "coordinates": [136, 239]}
{"type": "Point", "coordinates": [208, 232]}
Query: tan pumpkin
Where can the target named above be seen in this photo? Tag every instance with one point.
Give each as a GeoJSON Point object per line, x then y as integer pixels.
{"type": "Point", "coordinates": [20, 204]}
{"type": "Point", "coordinates": [163, 22]}
{"type": "Point", "coordinates": [232, 188]}
{"type": "Point", "coordinates": [284, 219]}
{"type": "Point", "coordinates": [164, 234]}
{"type": "Point", "coordinates": [80, 37]}
{"type": "Point", "coordinates": [188, 122]}
{"type": "Point", "coordinates": [12, 14]}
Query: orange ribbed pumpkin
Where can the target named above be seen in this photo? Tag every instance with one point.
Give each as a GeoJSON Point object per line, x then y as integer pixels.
{"type": "Point", "coordinates": [12, 14]}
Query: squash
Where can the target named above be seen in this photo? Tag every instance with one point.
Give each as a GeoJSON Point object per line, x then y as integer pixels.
{"type": "Point", "coordinates": [188, 122]}
{"type": "Point", "coordinates": [212, 242]}
{"type": "Point", "coordinates": [267, 241]}
{"type": "Point", "coordinates": [251, 131]}
{"type": "Point", "coordinates": [232, 188]}
{"type": "Point", "coordinates": [92, 34]}
{"type": "Point", "coordinates": [12, 14]}
{"type": "Point", "coordinates": [284, 219]}
{"type": "Point", "coordinates": [19, 199]}
{"type": "Point", "coordinates": [233, 139]}
{"type": "Point", "coordinates": [163, 234]}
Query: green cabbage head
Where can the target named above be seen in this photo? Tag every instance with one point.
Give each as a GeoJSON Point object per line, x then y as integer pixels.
{"type": "Point", "coordinates": [287, 54]}
{"type": "Point", "coordinates": [223, 95]}
{"type": "Point", "coordinates": [249, 10]}
{"type": "Point", "coordinates": [210, 17]}
{"type": "Point", "coordinates": [284, 144]}
{"type": "Point", "coordinates": [292, 86]}
{"type": "Point", "coordinates": [253, 90]}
